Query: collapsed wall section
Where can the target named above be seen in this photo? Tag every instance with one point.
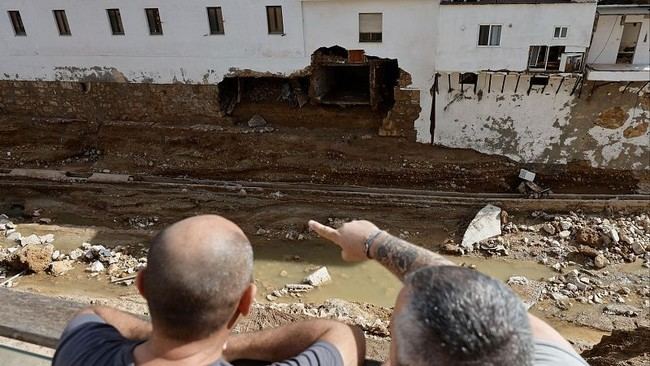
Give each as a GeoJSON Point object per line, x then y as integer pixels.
{"type": "Point", "coordinates": [535, 118]}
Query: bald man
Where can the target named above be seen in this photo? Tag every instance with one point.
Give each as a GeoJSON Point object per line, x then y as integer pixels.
{"type": "Point", "coordinates": [198, 281]}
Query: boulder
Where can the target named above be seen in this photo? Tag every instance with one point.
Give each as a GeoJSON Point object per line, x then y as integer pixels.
{"type": "Point", "coordinates": [600, 261]}
{"type": "Point", "coordinates": [588, 236]}
{"type": "Point", "coordinates": [30, 240]}
{"type": "Point", "coordinates": [34, 257]}
{"type": "Point", "coordinates": [549, 228]}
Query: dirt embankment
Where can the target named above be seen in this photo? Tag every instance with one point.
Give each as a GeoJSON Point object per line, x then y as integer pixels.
{"type": "Point", "coordinates": [321, 154]}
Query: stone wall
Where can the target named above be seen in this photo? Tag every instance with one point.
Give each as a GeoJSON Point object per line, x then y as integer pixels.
{"type": "Point", "coordinates": [102, 101]}
{"type": "Point", "coordinates": [399, 120]}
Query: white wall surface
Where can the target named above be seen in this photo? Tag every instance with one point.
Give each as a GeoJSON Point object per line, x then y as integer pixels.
{"type": "Point", "coordinates": [409, 35]}
{"type": "Point", "coordinates": [185, 51]}
{"type": "Point", "coordinates": [523, 25]}
{"type": "Point", "coordinates": [607, 39]}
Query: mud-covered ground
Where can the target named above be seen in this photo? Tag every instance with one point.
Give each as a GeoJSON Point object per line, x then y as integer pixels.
{"type": "Point", "coordinates": [324, 154]}
{"type": "Point", "coordinates": [549, 259]}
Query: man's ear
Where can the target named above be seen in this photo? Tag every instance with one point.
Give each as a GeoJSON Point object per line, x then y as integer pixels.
{"type": "Point", "coordinates": [247, 300]}
{"type": "Point", "coordinates": [245, 303]}
{"type": "Point", "coordinates": [139, 282]}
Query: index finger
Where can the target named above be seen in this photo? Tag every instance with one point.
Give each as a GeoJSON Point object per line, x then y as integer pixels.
{"type": "Point", "coordinates": [324, 231]}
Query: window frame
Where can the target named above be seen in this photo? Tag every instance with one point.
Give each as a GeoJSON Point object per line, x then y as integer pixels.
{"type": "Point", "coordinates": [65, 31]}
{"type": "Point", "coordinates": [218, 13]}
{"type": "Point", "coordinates": [17, 23]}
{"type": "Point", "coordinates": [155, 16]}
{"type": "Point", "coordinates": [268, 20]}
{"type": "Point", "coordinates": [120, 24]}
{"type": "Point", "coordinates": [371, 34]}
{"type": "Point", "coordinates": [560, 27]}
{"type": "Point", "coordinates": [490, 25]}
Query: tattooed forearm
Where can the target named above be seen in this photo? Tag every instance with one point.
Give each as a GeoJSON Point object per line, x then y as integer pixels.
{"type": "Point", "coordinates": [402, 257]}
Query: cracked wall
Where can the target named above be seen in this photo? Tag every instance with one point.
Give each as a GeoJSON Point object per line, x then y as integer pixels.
{"type": "Point", "coordinates": [562, 122]}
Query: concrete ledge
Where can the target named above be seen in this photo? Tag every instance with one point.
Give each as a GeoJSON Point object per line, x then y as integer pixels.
{"type": "Point", "coordinates": [46, 174]}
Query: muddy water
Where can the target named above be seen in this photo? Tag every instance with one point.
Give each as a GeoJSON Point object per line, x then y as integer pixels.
{"type": "Point", "coordinates": [276, 264]}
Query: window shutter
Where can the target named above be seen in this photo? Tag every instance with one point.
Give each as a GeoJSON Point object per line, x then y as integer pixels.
{"type": "Point", "coordinates": [370, 23]}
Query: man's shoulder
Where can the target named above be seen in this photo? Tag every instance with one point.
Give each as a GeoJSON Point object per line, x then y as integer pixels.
{"type": "Point", "coordinates": [88, 340]}
{"type": "Point", "coordinates": [550, 354]}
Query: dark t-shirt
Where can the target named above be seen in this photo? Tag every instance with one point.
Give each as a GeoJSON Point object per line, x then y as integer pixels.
{"type": "Point", "coordinates": [88, 340]}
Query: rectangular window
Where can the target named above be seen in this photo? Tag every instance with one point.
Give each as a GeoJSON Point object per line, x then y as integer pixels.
{"type": "Point", "coordinates": [370, 27]}
{"type": "Point", "coordinates": [17, 22]}
{"type": "Point", "coordinates": [62, 22]}
{"type": "Point", "coordinates": [545, 57]}
{"type": "Point", "coordinates": [215, 18]}
{"type": "Point", "coordinates": [274, 19]}
{"type": "Point", "coordinates": [560, 32]}
{"type": "Point", "coordinates": [153, 18]}
{"type": "Point", "coordinates": [115, 19]}
{"type": "Point", "coordinates": [489, 35]}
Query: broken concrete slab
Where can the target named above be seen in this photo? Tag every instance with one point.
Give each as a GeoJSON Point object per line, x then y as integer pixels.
{"type": "Point", "coordinates": [486, 224]}
{"type": "Point", "coordinates": [319, 277]}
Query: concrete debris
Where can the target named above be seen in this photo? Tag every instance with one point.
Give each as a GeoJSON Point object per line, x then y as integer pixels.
{"type": "Point", "coordinates": [96, 266]}
{"type": "Point", "coordinates": [298, 287]}
{"type": "Point", "coordinates": [257, 121]}
{"type": "Point", "coordinates": [15, 236]}
{"type": "Point", "coordinates": [526, 175]}
{"type": "Point", "coordinates": [517, 280]}
{"type": "Point", "coordinates": [30, 240]}
{"type": "Point", "coordinates": [319, 277]}
{"type": "Point", "coordinates": [61, 267]}
{"type": "Point", "coordinates": [486, 224]}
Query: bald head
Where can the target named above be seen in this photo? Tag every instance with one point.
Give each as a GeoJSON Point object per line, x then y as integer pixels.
{"type": "Point", "coordinates": [197, 271]}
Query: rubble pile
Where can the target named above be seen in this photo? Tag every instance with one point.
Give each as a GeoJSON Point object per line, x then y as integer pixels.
{"type": "Point", "coordinates": [34, 253]}
{"type": "Point", "coordinates": [563, 239]}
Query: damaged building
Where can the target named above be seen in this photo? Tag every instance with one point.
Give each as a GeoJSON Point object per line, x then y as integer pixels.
{"type": "Point", "coordinates": [570, 86]}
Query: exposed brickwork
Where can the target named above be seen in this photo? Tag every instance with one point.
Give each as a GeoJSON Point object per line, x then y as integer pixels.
{"type": "Point", "coordinates": [400, 119]}
{"type": "Point", "coordinates": [179, 103]}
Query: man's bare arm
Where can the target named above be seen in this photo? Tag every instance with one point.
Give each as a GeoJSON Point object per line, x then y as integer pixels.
{"type": "Point", "coordinates": [128, 325]}
{"type": "Point", "coordinates": [278, 344]}
{"type": "Point", "coordinates": [398, 256]}
{"type": "Point", "coordinates": [401, 257]}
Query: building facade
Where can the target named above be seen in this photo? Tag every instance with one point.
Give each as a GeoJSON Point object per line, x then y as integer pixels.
{"type": "Point", "coordinates": [501, 77]}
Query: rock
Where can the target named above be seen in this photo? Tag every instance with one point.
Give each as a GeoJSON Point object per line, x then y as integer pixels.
{"type": "Point", "coordinates": [46, 239]}
{"type": "Point", "coordinates": [242, 192]}
{"type": "Point", "coordinates": [557, 267]}
{"type": "Point", "coordinates": [256, 121]}
{"type": "Point", "coordinates": [319, 277]}
{"type": "Point", "coordinates": [76, 254]}
{"type": "Point", "coordinates": [564, 234]}
{"type": "Point", "coordinates": [626, 239]}
{"type": "Point", "coordinates": [571, 287]}
{"type": "Point", "coordinates": [504, 217]}
{"type": "Point", "coordinates": [588, 251]}
{"type": "Point", "coordinates": [44, 221]}
{"type": "Point", "coordinates": [600, 261]}
{"type": "Point", "coordinates": [56, 255]}
{"type": "Point", "coordinates": [548, 228]}
{"type": "Point", "coordinates": [622, 347]}
{"type": "Point", "coordinates": [270, 297]}
{"type": "Point", "coordinates": [613, 233]}
{"type": "Point", "coordinates": [621, 309]}
{"type": "Point", "coordinates": [588, 236]}
{"type": "Point", "coordinates": [35, 257]}
{"type": "Point", "coordinates": [486, 224]}
{"type": "Point", "coordinates": [97, 266]}
{"type": "Point", "coordinates": [61, 267]}
{"type": "Point", "coordinates": [15, 236]}
{"type": "Point", "coordinates": [517, 280]}
{"type": "Point", "coordinates": [30, 240]}
{"type": "Point", "coordinates": [260, 231]}
{"type": "Point", "coordinates": [453, 249]}
{"type": "Point", "coordinates": [638, 248]}
{"type": "Point", "coordinates": [566, 225]}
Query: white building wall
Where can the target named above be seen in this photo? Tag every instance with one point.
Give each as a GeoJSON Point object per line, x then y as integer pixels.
{"type": "Point", "coordinates": [607, 39]}
{"type": "Point", "coordinates": [523, 25]}
{"type": "Point", "coordinates": [185, 52]}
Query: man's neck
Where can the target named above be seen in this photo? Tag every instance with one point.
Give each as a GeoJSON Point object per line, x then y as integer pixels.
{"type": "Point", "coordinates": [161, 350]}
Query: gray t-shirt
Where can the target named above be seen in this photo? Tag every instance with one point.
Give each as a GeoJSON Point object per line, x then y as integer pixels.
{"type": "Point", "coordinates": [88, 340]}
